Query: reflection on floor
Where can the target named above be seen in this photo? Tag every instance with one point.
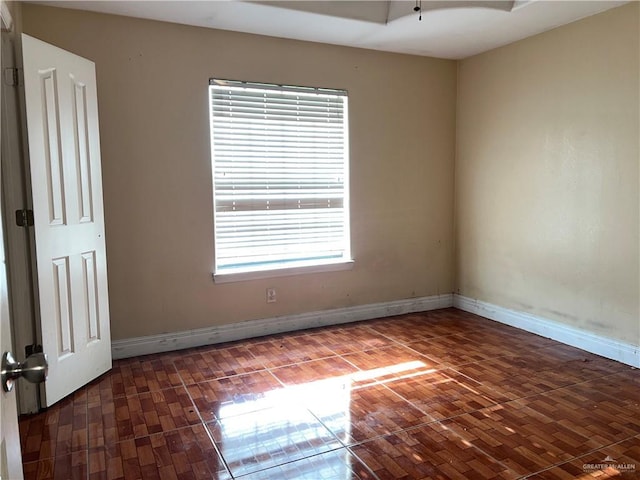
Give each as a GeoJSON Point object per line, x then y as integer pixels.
{"type": "Point", "coordinates": [442, 394]}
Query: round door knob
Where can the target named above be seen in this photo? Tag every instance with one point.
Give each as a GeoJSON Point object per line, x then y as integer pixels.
{"type": "Point", "coordinates": [34, 369]}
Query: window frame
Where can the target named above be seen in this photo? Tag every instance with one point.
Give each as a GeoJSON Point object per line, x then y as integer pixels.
{"type": "Point", "coordinates": [291, 267]}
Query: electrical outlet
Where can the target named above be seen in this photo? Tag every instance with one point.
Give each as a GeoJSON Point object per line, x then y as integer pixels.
{"type": "Point", "coordinates": [271, 295]}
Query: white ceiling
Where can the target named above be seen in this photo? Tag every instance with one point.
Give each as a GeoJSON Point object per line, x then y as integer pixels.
{"type": "Point", "coordinates": [449, 28]}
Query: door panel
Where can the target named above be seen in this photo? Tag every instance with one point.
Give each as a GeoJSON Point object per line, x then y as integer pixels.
{"type": "Point", "coordinates": [83, 155]}
{"type": "Point", "coordinates": [18, 247]}
{"type": "Point", "coordinates": [66, 184]}
{"type": "Point", "coordinates": [52, 146]}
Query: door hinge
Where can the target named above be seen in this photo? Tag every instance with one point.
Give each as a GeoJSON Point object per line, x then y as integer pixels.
{"type": "Point", "coordinates": [24, 218]}
{"type": "Point", "coordinates": [12, 76]}
{"type": "Point", "coordinates": [31, 349]}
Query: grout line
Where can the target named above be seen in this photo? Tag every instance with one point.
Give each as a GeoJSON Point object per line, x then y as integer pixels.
{"type": "Point", "coordinates": [203, 424]}
{"type": "Point", "coordinates": [594, 450]}
{"type": "Point", "coordinates": [86, 412]}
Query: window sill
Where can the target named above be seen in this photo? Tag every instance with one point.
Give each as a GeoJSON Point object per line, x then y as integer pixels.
{"type": "Point", "coordinates": [282, 272]}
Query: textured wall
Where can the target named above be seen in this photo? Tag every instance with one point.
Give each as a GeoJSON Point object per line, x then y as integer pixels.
{"type": "Point", "coordinates": [152, 83]}
{"type": "Point", "coordinates": [547, 205]}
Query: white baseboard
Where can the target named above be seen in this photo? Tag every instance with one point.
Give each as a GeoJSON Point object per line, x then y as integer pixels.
{"type": "Point", "coordinates": [623, 352]}
{"type": "Point", "coordinates": [166, 342]}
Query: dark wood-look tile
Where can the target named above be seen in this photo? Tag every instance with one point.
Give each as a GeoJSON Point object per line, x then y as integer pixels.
{"type": "Point", "coordinates": [627, 375]}
{"type": "Point", "coordinates": [235, 395]}
{"type": "Point", "coordinates": [579, 364]}
{"type": "Point", "coordinates": [602, 418]}
{"type": "Point", "coordinates": [454, 350]}
{"type": "Point", "coordinates": [122, 418]}
{"type": "Point", "coordinates": [532, 361]}
{"type": "Point", "coordinates": [306, 373]}
{"type": "Point", "coordinates": [141, 375]}
{"type": "Point", "coordinates": [267, 438]}
{"type": "Point", "coordinates": [443, 393]}
{"type": "Point", "coordinates": [475, 325]}
{"type": "Point", "coordinates": [59, 430]}
{"type": "Point", "coordinates": [408, 328]}
{"type": "Point", "coordinates": [624, 386]}
{"type": "Point", "coordinates": [437, 323]}
{"type": "Point", "coordinates": [71, 466]}
{"type": "Point", "coordinates": [499, 342]}
{"type": "Point", "coordinates": [394, 362]}
{"type": "Point", "coordinates": [352, 338]}
{"type": "Point", "coordinates": [336, 464]}
{"type": "Point", "coordinates": [428, 452]}
{"type": "Point", "coordinates": [290, 350]}
{"type": "Point", "coordinates": [357, 415]}
{"type": "Point", "coordinates": [519, 437]}
{"type": "Point", "coordinates": [109, 384]}
{"type": "Point", "coordinates": [306, 382]}
{"type": "Point", "coordinates": [217, 362]}
{"type": "Point", "coordinates": [511, 377]}
{"type": "Point", "coordinates": [186, 453]}
{"type": "Point", "coordinates": [620, 460]}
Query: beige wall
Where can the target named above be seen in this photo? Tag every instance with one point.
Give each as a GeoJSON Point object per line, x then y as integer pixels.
{"type": "Point", "coordinates": [153, 79]}
{"type": "Point", "coordinates": [547, 206]}
{"type": "Point", "coordinates": [547, 203]}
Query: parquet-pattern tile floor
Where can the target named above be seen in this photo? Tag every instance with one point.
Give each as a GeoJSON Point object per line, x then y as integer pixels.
{"type": "Point", "coordinates": [437, 395]}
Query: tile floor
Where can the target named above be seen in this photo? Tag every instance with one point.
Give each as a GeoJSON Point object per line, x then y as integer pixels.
{"type": "Point", "coordinates": [437, 395]}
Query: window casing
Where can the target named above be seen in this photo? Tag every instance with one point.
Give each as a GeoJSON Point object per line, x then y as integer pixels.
{"type": "Point", "coordinates": [280, 179]}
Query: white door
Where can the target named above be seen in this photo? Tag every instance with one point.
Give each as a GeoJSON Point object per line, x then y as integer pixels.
{"type": "Point", "coordinates": [10, 456]}
{"type": "Point", "coordinates": [66, 186]}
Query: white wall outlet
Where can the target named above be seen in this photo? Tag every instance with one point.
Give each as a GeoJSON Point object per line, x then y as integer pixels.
{"type": "Point", "coordinates": [271, 295]}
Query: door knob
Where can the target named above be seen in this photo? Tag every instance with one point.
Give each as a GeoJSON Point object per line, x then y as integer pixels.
{"type": "Point", "coordinates": [34, 369]}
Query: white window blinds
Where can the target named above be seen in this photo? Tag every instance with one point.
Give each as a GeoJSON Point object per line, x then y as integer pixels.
{"type": "Point", "coordinates": [280, 171]}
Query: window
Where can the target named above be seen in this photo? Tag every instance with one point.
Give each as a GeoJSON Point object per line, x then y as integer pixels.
{"type": "Point", "coordinates": [280, 175]}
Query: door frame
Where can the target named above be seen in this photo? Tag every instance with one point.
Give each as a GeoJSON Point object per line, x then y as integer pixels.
{"type": "Point", "coordinates": [19, 240]}
{"type": "Point", "coordinates": [10, 454]}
